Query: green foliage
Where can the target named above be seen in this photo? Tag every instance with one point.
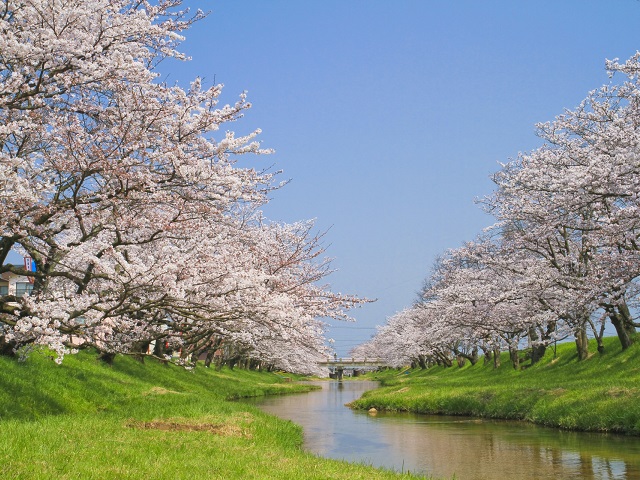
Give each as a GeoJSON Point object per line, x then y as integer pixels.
{"type": "Point", "coordinates": [86, 420]}
{"type": "Point", "coordinates": [601, 393]}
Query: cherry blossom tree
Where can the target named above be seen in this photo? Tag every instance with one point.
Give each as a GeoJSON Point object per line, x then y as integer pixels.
{"type": "Point", "coordinates": [119, 187]}
{"type": "Point", "coordinates": [574, 202]}
{"type": "Point", "coordinates": [563, 255]}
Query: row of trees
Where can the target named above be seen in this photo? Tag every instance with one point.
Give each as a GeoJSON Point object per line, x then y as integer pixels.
{"type": "Point", "coordinates": [122, 190]}
{"type": "Point", "coordinates": [562, 259]}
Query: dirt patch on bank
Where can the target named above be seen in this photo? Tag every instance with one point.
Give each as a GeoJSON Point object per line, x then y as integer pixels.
{"type": "Point", "coordinates": [159, 391]}
{"type": "Point", "coordinates": [223, 429]}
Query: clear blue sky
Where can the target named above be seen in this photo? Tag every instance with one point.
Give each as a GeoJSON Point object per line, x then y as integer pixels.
{"type": "Point", "coordinates": [390, 116]}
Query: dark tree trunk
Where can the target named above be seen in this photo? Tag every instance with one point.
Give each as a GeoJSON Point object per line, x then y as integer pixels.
{"type": "Point", "coordinates": [209, 358]}
{"type": "Point", "coordinates": [461, 357]}
{"type": "Point", "coordinates": [232, 362]}
{"type": "Point", "coordinates": [444, 360]}
{"type": "Point", "coordinates": [422, 362]}
{"type": "Point", "coordinates": [7, 349]}
{"type": "Point", "coordinates": [621, 319]}
{"type": "Point", "coordinates": [107, 357]}
{"type": "Point", "coordinates": [140, 350]}
{"type": "Point", "coordinates": [537, 352]}
{"type": "Point", "coordinates": [487, 357]}
{"type": "Point", "coordinates": [158, 348]}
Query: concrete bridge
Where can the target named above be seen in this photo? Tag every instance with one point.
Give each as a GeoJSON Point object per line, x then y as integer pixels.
{"type": "Point", "coordinates": [339, 367]}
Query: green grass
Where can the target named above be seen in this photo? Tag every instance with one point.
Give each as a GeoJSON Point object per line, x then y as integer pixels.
{"type": "Point", "coordinates": [600, 394]}
{"type": "Point", "coordinates": [86, 420]}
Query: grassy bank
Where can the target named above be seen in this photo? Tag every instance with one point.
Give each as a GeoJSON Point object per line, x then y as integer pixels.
{"type": "Point", "coordinates": [601, 393]}
{"type": "Point", "coordinates": [86, 420]}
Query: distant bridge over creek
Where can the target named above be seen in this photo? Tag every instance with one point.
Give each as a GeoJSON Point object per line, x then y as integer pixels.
{"type": "Point", "coordinates": [339, 367]}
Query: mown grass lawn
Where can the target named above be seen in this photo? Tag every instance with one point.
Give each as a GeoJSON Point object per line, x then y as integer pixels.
{"type": "Point", "coordinates": [601, 393]}
{"type": "Point", "coordinates": [86, 420]}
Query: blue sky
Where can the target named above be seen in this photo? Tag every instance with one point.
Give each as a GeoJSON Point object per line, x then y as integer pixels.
{"type": "Point", "coordinates": [390, 116]}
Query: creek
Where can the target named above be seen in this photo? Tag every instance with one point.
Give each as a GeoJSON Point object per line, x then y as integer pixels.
{"type": "Point", "coordinates": [469, 448]}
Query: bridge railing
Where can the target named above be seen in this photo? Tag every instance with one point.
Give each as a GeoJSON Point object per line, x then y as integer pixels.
{"type": "Point", "coordinates": [351, 360]}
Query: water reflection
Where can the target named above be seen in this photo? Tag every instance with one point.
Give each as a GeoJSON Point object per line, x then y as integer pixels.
{"type": "Point", "coordinates": [441, 446]}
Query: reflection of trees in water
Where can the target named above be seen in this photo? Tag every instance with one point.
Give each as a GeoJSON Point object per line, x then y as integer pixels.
{"type": "Point", "coordinates": [478, 449]}
{"type": "Point", "coordinates": [612, 469]}
{"type": "Point", "coordinates": [472, 449]}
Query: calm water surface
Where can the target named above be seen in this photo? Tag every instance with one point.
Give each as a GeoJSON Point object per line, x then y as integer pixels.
{"type": "Point", "coordinates": [470, 449]}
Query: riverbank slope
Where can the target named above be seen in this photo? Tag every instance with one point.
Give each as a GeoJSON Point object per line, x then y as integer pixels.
{"type": "Point", "coordinates": [86, 420]}
{"type": "Point", "coordinates": [601, 393]}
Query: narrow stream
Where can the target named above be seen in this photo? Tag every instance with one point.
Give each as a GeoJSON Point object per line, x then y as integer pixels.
{"type": "Point", "coordinates": [470, 449]}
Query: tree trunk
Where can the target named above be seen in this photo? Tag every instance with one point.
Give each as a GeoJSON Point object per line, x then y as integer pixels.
{"type": "Point", "coordinates": [487, 357]}
{"type": "Point", "coordinates": [496, 358]}
{"type": "Point", "coordinates": [582, 342]}
{"type": "Point", "coordinates": [621, 319]}
{"type": "Point", "coordinates": [158, 348]}
{"type": "Point", "coordinates": [444, 360]}
{"type": "Point", "coordinates": [473, 358]}
{"type": "Point", "coordinates": [515, 359]}
{"type": "Point", "coordinates": [7, 348]}
{"type": "Point", "coordinates": [140, 350]}
{"type": "Point", "coordinates": [232, 362]}
{"type": "Point", "coordinates": [209, 358]}
{"type": "Point", "coordinates": [537, 352]}
{"type": "Point", "coordinates": [598, 333]}
{"type": "Point", "coordinates": [422, 362]}
{"type": "Point", "coordinates": [107, 357]}
{"type": "Point", "coordinates": [537, 349]}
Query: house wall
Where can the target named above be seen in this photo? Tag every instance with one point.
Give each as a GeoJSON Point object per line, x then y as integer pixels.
{"type": "Point", "coordinates": [12, 280]}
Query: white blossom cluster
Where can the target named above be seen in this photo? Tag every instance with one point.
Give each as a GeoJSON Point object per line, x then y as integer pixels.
{"type": "Point", "coordinates": [144, 231]}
